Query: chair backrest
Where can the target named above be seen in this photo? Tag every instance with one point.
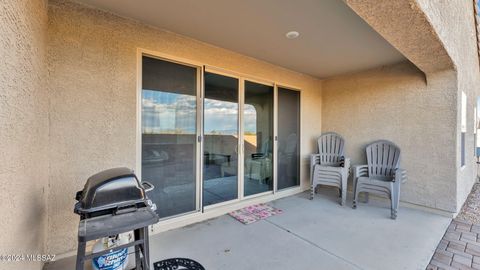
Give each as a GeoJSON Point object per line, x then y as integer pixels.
{"type": "Point", "coordinates": [330, 148]}
{"type": "Point", "coordinates": [383, 158]}
{"type": "Point", "coordinates": [266, 147]}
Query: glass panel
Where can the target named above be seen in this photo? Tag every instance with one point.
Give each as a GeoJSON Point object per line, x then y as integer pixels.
{"type": "Point", "coordinates": [220, 162]}
{"type": "Point", "coordinates": [258, 138]}
{"type": "Point", "coordinates": [288, 169]}
{"type": "Point", "coordinates": [169, 135]}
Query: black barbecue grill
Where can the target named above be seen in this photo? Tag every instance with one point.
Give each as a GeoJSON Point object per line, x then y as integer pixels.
{"type": "Point", "coordinates": [112, 192]}
{"type": "Point", "coordinates": [113, 202]}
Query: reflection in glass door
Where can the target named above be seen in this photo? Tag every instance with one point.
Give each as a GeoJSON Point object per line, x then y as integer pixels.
{"type": "Point", "coordinates": [169, 111]}
{"type": "Point", "coordinates": [220, 146]}
{"type": "Point", "coordinates": [288, 169]}
{"type": "Point", "coordinates": [258, 138]}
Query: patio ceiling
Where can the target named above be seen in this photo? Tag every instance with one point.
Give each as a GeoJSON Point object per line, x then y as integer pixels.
{"type": "Point", "coordinates": [333, 39]}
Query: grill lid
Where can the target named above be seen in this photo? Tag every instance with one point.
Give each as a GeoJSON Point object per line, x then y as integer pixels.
{"type": "Point", "coordinates": [113, 188]}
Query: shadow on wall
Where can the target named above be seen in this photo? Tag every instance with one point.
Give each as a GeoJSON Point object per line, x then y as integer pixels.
{"type": "Point", "coordinates": [394, 103]}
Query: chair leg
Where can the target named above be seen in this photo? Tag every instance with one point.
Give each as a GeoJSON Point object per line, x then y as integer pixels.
{"type": "Point", "coordinates": [395, 199]}
{"type": "Point", "coordinates": [355, 195]}
{"type": "Point", "coordinates": [312, 191]}
{"type": "Point", "coordinates": [344, 192]}
{"type": "Point", "coordinates": [393, 214]}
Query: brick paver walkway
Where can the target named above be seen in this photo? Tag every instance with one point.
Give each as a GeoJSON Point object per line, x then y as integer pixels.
{"type": "Point", "coordinates": [459, 248]}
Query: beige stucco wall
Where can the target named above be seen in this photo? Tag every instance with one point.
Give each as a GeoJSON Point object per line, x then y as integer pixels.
{"type": "Point", "coordinates": [436, 36]}
{"type": "Point", "coordinates": [92, 65]}
{"type": "Point", "coordinates": [87, 120]}
{"type": "Point", "coordinates": [398, 104]}
{"type": "Point", "coordinates": [23, 130]}
{"type": "Point", "coordinates": [406, 27]}
{"type": "Point", "coordinates": [428, 126]}
{"type": "Point", "coordinates": [455, 24]}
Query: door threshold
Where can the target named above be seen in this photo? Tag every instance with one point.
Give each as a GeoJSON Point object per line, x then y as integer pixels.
{"type": "Point", "coordinates": [184, 220]}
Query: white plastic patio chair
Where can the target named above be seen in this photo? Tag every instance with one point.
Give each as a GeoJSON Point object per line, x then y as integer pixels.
{"type": "Point", "coordinates": [329, 167]}
{"type": "Point", "coordinates": [382, 175]}
{"type": "Point", "coordinates": [259, 165]}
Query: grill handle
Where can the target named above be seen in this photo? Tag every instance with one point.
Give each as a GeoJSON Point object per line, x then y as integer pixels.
{"type": "Point", "coordinates": [147, 186]}
{"type": "Point", "coordinates": [124, 210]}
{"type": "Point", "coordinates": [78, 195]}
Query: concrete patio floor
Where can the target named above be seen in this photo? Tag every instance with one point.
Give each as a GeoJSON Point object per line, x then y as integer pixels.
{"type": "Point", "coordinates": [318, 234]}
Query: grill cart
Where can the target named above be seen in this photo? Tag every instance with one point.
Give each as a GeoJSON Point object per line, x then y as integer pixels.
{"type": "Point", "coordinates": [113, 202]}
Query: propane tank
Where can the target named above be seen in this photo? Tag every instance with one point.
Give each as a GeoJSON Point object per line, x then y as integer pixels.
{"type": "Point", "coordinates": [115, 260]}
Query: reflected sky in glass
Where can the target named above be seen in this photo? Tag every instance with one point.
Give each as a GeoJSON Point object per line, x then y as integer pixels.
{"type": "Point", "coordinates": [220, 117]}
{"type": "Point", "coordinates": [168, 113]}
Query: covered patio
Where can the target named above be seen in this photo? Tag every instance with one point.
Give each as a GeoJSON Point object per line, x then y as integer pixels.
{"type": "Point", "coordinates": [318, 234]}
{"type": "Point", "coordinates": [220, 105]}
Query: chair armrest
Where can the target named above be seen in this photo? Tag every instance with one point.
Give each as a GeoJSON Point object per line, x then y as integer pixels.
{"type": "Point", "coordinates": [400, 175]}
{"type": "Point", "coordinates": [359, 171]}
{"type": "Point", "coordinates": [258, 155]}
{"type": "Point", "coordinates": [344, 162]}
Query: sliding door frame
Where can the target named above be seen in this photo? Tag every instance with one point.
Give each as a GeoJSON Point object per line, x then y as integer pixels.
{"type": "Point", "coordinates": [202, 213]}
{"type": "Point", "coordinates": [300, 176]}
{"type": "Point", "coordinates": [267, 83]}
{"type": "Point", "coordinates": [239, 129]}
{"type": "Point", "coordinates": [199, 123]}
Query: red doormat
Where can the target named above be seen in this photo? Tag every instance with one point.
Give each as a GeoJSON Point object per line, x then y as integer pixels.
{"type": "Point", "coordinates": [253, 213]}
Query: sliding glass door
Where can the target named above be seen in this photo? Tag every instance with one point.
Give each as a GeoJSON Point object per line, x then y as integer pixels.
{"type": "Point", "coordinates": [288, 150]}
{"type": "Point", "coordinates": [204, 148]}
{"type": "Point", "coordinates": [220, 144]}
{"type": "Point", "coordinates": [258, 138]}
{"type": "Point", "coordinates": [169, 134]}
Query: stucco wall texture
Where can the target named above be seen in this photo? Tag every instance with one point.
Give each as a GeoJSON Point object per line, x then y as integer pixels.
{"type": "Point", "coordinates": [405, 25]}
{"type": "Point", "coordinates": [92, 86]}
{"type": "Point", "coordinates": [397, 104]}
{"type": "Point", "coordinates": [455, 24]}
{"type": "Point", "coordinates": [440, 40]}
{"type": "Point", "coordinates": [23, 129]}
{"type": "Point", "coordinates": [83, 119]}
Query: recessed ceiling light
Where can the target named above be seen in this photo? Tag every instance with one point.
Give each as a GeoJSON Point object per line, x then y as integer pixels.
{"type": "Point", "coordinates": [292, 35]}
